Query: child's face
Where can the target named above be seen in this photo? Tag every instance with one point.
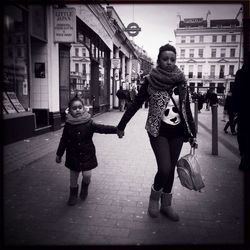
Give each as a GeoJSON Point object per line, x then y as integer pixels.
{"type": "Point", "coordinates": [167, 59]}
{"type": "Point", "coordinates": [76, 109]}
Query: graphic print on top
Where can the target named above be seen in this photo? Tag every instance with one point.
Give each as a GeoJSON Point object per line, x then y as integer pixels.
{"type": "Point", "coordinates": [171, 115]}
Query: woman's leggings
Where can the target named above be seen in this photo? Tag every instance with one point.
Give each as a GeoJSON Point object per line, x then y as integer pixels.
{"type": "Point", "coordinates": [167, 151]}
{"type": "Point", "coordinates": [86, 176]}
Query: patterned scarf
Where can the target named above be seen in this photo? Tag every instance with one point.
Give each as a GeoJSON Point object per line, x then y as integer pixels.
{"type": "Point", "coordinates": [85, 117]}
{"type": "Point", "coordinates": [162, 80]}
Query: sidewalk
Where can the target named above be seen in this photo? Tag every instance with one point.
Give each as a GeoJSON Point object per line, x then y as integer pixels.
{"type": "Point", "coordinates": [115, 212]}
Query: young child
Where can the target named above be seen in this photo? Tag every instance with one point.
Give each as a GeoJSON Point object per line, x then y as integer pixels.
{"type": "Point", "coordinates": [80, 150]}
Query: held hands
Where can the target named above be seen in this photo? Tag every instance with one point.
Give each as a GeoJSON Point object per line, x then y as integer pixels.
{"type": "Point", "coordinates": [58, 159]}
{"type": "Point", "coordinates": [193, 142]}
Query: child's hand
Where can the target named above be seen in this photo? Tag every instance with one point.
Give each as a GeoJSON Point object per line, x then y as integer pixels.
{"type": "Point", "coordinates": [120, 133]}
{"type": "Point", "coordinates": [58, 159]}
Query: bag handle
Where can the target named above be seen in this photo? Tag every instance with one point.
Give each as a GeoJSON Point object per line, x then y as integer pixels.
{"type": "Point", "coordinates": [192, 150]}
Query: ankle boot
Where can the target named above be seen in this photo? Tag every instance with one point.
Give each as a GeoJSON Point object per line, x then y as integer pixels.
{"type": "Point", "coordinates": [154, 206]}
{"type": "Point", "coordinates": [73, 196]}
{"type": "Point", "coordinates": [84, 190]}
{"type": "Point", "coordinates": [166, 209]}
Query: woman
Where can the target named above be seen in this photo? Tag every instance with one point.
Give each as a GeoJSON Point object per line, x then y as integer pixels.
{"type": "Point", "coordinates": [169, 124]}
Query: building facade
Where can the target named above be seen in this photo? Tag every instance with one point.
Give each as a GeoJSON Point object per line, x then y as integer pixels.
{"type": "Point", "coordinates": [42, 71]}
{"type": "Point", "coordinates": [210, 52]}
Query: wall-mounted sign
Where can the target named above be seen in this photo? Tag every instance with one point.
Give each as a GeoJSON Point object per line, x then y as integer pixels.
{"type": "Point", "coordinates": [116, 63]}
{"type": "Point", "coordinates": [65, 25]}
{"type": "Point", "coordinates": [133, 29]}
{"type": "Point", "coordinates": [193, 20]}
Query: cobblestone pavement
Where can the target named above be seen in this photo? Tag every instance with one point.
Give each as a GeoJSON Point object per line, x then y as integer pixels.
{"type": "Point", "coordinates": [115, 212]}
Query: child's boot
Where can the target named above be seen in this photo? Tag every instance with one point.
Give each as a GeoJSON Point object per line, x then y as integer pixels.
{"type": "Point", "coordinates": [166, 200]}
{"type": "Point", "coordinates": [73, 196]}
{"type": "Point", "coordinates": [153, 206]}
{"type": "Point", "coordinates": [85, 185]}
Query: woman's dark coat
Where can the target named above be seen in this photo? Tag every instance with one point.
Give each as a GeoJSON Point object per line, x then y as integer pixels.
{"type": "Point", "coordinates": [186, 114]}
{"type": "Point", "coordinates": [80, 149]}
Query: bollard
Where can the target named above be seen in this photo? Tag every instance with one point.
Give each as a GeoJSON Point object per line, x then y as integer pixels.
{"type": "Point", "coordinates": [196, 114]}
{"type": "Point", "coordinates": [214, 129]}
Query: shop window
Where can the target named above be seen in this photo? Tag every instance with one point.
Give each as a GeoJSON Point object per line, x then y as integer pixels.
{"type": "Point", "coordinates": [15, 60]}
{"type": "Point", "coordinates": [220, 88]}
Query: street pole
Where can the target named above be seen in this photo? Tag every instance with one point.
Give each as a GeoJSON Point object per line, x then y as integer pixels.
{"type": "Point", "coordinates": [214, 129]}
{"type": "Point", "coordinates": [196, 114]}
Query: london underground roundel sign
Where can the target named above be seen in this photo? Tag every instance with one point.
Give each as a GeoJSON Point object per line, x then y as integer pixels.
{"type": "Point", "coordinates": [133, 29]}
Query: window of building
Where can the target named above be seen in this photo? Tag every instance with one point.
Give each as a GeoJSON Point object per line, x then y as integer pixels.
{"type": "Point", "coordinates": [191, 39]}
{"type": "Point", "coordinates": [190, 71]}
{"type": "Point", "coordinates": [15, 57]}
{"type": "Point", "coordinates": [200, 52]}
{"type": "Point", "coordinates": [76, 67]}
{"type": "Point", "coordinates": [191, 53]}
{"type": "Point", "coordinates": [212, 71]}
{"type": "Point", "coordinates": [84, 52]}
{"type": "Point", "coordinates": [223, 52]}
{"type": "Point", "coordinates": [199, 74]}
{"type": "Point", "coordinates": [231, 70]}
{"type": "Point", "coordinates": [233, 38]}
{"type": "Point", "coordinates": [182, 53]}
{"type": "Point", "coordinates": [201, 39]}
{"type": "Point", "coordinates": [183, 39]}
{"type": "Point", "coordinates": [220, 88]}
{"type": "Point", "coordinates": [222, 71]}
{"type": "Point", "coordinates": [213, 53]}
{"type": "Point", "coordinates": [77, 52]}
{"type": "Point", "coordinates": [232, 52]}
{"type": "Point", "coordinates": [224, 38]}
{"type": "Point", "coordinates": [214, 39]}
{"type": "Point", "coordinates": [84, 68]}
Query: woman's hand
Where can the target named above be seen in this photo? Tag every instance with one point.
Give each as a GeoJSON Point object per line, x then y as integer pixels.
{"type": "Point", "coordinates": [58, 159]}
{"type": "Point", "coordinates": [193, 142]}
{"type": "Point", "coordinates": [120, 133]}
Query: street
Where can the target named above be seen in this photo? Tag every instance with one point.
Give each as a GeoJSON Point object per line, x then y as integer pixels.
{"type": "Point", "coordinates": [115, 213]}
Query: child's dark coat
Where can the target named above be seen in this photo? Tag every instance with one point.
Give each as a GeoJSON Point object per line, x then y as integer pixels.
{"type": "Point", "coordinates": [80, 149]}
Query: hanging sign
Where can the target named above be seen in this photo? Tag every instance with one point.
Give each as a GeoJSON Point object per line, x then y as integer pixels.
{"type": "Point", "coordinates": [65, 25]}
{"type": "Point", "coordinates": [116, 63]}
{"type": "Point", "coordinates": [133, 29]}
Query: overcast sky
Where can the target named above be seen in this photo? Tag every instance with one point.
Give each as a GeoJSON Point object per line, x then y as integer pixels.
{"type": "Point", "coordinates": [158, 21]}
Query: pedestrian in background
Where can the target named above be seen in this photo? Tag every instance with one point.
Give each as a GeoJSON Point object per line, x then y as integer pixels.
{"type": "Point", "coordinates": [229, 110]}
{"type": "Point", "coordinates": [241, 99]}
{"type": "Point", "coordinates": [169, 124]}
{"type": "Point", "coordinates": [200, 100]}
{"type": "Point", "coordinates": [80, 150]}
{"type": "Point", "coordinates": [122, 98]}
{"type": "Point", "coordinates": [213, 98]}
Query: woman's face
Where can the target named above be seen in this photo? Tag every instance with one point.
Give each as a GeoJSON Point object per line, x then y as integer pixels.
{"type": "Point", "coordinates": [76, 109]}
{"type": "Point", "coordinates": [167, 59]}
